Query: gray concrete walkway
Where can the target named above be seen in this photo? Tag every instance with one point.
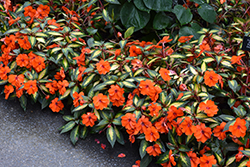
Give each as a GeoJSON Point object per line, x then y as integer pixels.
{"type": "Point", "coordinates": [32, 138]}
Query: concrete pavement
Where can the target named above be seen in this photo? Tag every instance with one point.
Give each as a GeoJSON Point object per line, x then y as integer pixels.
{"type": "Point", "coordinates": [32, 138]}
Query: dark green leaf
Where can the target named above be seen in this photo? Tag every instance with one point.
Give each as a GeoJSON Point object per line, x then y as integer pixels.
{"type": "Point", "coordinates": [83, 132]}
{"type": "Point", "coordinates": [119, 136]}
{"type": "Point", "coordinates": [163, 158]}
{"type": "Point", "coordinates": [140, 5]}
{"type": "Point", "coordinates": [23, 102]}
{"type": "Point", "coordinates": [162, 21]}
{"type": "Point", "coordinates": [183, 15]}
{"type": "Point", "coordinates": [111, 135]}
{"type": "Point", "coordinates": [74, 135]}
{"type": "Point", "coordinates": [132, 17]}
{"type": "Point", "coordinates": [207, 12]}
{"type": "Point", "coordinates": [158, 5]}
{"type": "Point", "coordinates": [145, 161]}
{"type": "Point", "coordinates": [185, 160]}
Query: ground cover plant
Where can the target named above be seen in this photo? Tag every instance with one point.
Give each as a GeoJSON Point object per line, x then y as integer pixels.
{"type": "Point", "coordinates": [184, 100]}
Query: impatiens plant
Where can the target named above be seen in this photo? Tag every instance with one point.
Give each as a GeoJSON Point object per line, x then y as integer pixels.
{"type": "Point", "coordinates": [184, 101]}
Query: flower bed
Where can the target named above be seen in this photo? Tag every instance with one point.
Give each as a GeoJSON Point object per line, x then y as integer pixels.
{"type": "Point", "coordinates": [185, 100]}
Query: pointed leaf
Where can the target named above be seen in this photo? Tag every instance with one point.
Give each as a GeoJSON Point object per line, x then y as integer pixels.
{"type": "Point", "coordinates": [68, 126]}
{"type": "Point", "coordinates": [74, 135]}
{"type": "Point", "coordinates": [111, 135]}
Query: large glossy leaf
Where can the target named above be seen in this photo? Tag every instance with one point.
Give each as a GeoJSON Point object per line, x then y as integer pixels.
{"type": "Point", "coordinates": [207, 12]}
{"type": "Point", "coordinates": [159, 5]}
{"type": "Point", "coordinates": [186, 31]}
{"type": "Point", "coordinates": [183, 15]}
{"type": "Point", "coordinates": [133, 17]}
{"type": "Point", "coordinates": [140, 5]}
{"type": "Point", "coordinates": [162, 21]}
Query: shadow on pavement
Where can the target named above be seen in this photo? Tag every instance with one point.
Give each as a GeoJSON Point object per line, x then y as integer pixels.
{"type": "Point", "coordinates": [32, 138]}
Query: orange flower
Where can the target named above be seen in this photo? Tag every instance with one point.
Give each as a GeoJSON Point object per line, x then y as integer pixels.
{"type": "Point", "coordinates": [209, 108]}
{"type": "Point", "coordinates": [29, 11]}
{"type": "Point", "coordinates": [134, 51]}
{"type": "Point", "coordinates": [248, 163]}
{"type": "Point", "coordinates": [38, 64]}
{"type": "Point", "coordinates": [24, 43]}
{"type": "Point", "coordinates": [237, 59]}
{"type": "Point", "coordinates": [100, 101]}
{"type": "Point", "coordinates": [8, 89]}
{"type": "Point", "coordinates": [204, 150]}
{"type": "Point", "coordinates": [19, 92]}
{"type": "Point", "coordinates": [207, 161]}
{"type": "Point", "coordinates": [4, 71]}
{"type": "Point", "coordinates": [42, 11]}
{"type": "Point", "coordinates": [169, 51]}
{"type": "Point", "coordinates": [89, 119]}
{"type": "Point", "coordinates": [16, 80]}
{"type": "Point", "coordinates": [12, 21]}
{"type": "Point", "coordinates": [184, 39]}
{"type": "Point", "coordinates": [118, 102]}
{"type": "Point", "coordinates": [201, 132]}
{"type": "Point", "coordinates": [136, 63]}
{"type": "Point", "coordinates": [173, 113]}
{"type": "Point", "coordinates": [154, 109]}
{"type": "Point", "coordinates": [239, 128]}
{"type": "Point", "coordinates": [154, 150]}
{"type": "Point", "coordinates": [22, 60]}
{"type": "Point", "coordinates": [60, 75]}
{"type": "Point", "coordinates": [78, 99]}
{"type": "Point", "coordinates": [186, 126]}
{"type": "Point", "coordinates": [151, 134]}
{"type": "Point", "coordinates": [62, 86]}
{"type": "Point", "coordinates": [53, 22]}
{"type": "Point", "coordinates": [137, 163]}
{"type": "Point", "coordinates": [10, 41]}
{"type": "Point", "coordinates": [52, 86]}
{"type": "Point", "coordinates": [165, 40]}
{"type": "Point", "coordinates": [211, 78]}
{"type": "Point", "coordinates": [165, 74]}
{"type": "Point", "coordinates": [195, 161]}
{"type": "Point", "coordinates": [142, 124]}
{"type": "Point", "coordinates": [129, 121]}
{"type": "Point", "coordinates": [204, 47]}
{"type": "Point", "coordinates": [146, 86]}
{"type": "Point", "coordinates": [154, 93]}
{"type": "Point", "coordinates": [103, 67]}
{"type": "Point", "coordinates": [171, 160]}
{"type": "Point", "coordinates": [31, 87]}
{"type": "Point", "coordinates": [56, 105]}
{"type": "Point", "coordinates": [218, 131]}
{"type": "Point", "coordinates": [117, 52]}
{"type": "Point", "coordinates": [239, 155]}
{"type": "Point", "coordinates": [81, 72]}
{"type": "Point", "coordinates": [222, 1]}
{"type": "Point", "coordinates": [161, 125]}
{"type": "Point", "coordinates": [115, 92]}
